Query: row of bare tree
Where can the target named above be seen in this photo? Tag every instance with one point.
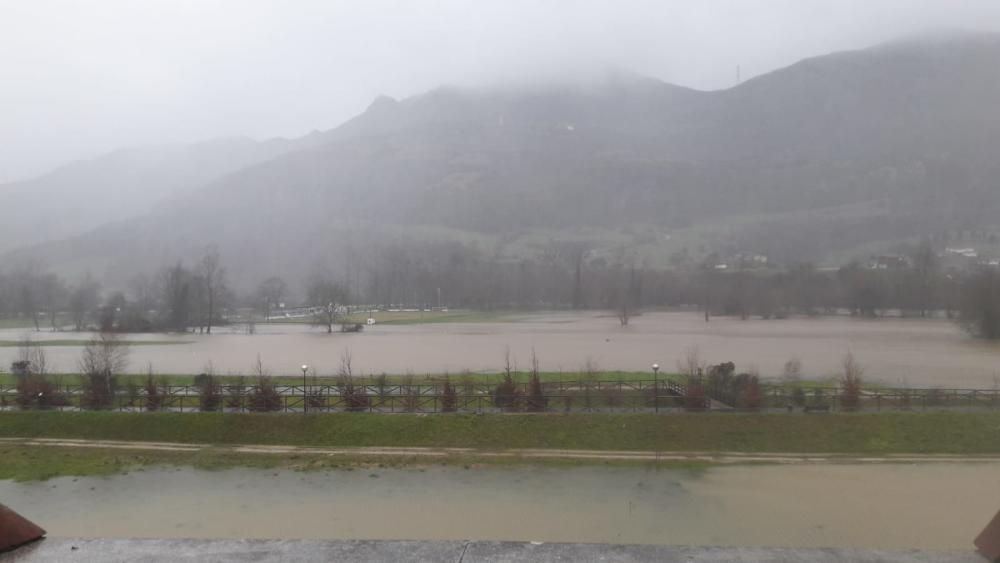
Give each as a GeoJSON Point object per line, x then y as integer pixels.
{"type": "Point", "coordinates": [179, 297]}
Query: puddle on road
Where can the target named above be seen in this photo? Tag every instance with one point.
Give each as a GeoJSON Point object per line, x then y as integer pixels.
{"type": "Point", "coordinates": [930, 506]}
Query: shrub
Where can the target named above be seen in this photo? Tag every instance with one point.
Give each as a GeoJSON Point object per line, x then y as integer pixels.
{"type": "Point", "coordinates": [850, 384]}
{"type": "Point", "coordinates": [209, 393]}
{"type": "Point", "coordinates": [587, 394]}
{"type": "Point", "coordinates": [536, 400]}
{"type": "Point", "coordinates": [568, 402]}
{"type": "Point", "coordinates": [799, 396]}
{"type": "Point", "coordinates": [235, 393]}
{"type": "Point", "coordinates": [819, 399]}
{"type": "Point", "coordinates": [154, 397]}
{"type": "Point", "coordinates": [36, 391]}
{"type": "Point", "coordinates": [449, 399]}
{"type": "Point", "coordinates": [315, 399]}
{"type": "Point", "coordinates": [720, 383]}
{"type": "Point", "coordinates": [382, 388]}
{"type": "Point", "coordinates": [102, 359]}
{"type": "Point", "coordinates": [612, 396]}
{"type": "Point", "coordinates": [694, 396]}
{"type": "Point", "coordinates": [507, 396]}
{"type": "Point", "coordinates": [750, 396]}
{"type": "Point", "coordinates": [905, 399]}
{"type": "Point", "coordinates": [934, 397]}
{"type": "Point", "coordinates": [264, 396]}
{"type": "Point", "coordinates": [354, 397]}
{"type": "Point", "coordinates": [203, 378]}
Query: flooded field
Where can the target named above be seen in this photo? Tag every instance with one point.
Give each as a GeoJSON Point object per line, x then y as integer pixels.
{"type": "Point", "coordinates": [929, 506]}
{"type": "Point", "coordinates": [917, 352]}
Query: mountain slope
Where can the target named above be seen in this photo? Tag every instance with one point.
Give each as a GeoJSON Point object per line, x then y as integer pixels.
{"type": "Point", "coordinates": [87, 194]}
{"type": "Point", "coordinates": [879, 144]}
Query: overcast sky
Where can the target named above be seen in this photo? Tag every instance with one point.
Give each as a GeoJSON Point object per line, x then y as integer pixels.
{"type": "Point", "coordinates": [80, 78]}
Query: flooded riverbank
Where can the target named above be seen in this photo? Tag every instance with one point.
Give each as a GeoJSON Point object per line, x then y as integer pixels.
{"type": "Point", "coordinates": [929, 506]}
{"type": "Point", "coordinates": [916, 352]}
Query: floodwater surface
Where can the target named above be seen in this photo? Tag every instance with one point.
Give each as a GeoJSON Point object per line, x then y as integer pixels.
{"type": "Point", "coordinates": [927, 506]}
{"type": "Point", "coordinates": [916, 352]}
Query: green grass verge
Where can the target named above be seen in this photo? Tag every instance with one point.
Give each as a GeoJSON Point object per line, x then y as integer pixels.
{"type": "Point", "coordinates": [30, 463]}
{"type": "Point", "coordinates": [936, 432]}
{"type": "Point", "coordinates": [395, 379]}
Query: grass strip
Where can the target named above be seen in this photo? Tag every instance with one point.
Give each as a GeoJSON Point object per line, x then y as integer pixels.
{"type": "Point", "coordinates": [857, 433]}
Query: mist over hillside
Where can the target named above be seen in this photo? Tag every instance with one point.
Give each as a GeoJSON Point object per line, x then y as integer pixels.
{"type": "Point", "coordinates": [827, 157]}
{"type": "Point", "coordinates": [80, 196]}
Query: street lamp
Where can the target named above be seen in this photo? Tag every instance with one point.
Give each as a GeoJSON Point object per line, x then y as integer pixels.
{"type": "Point", "coordinates": [656, 388]}
{"type": "Point", "coordinates": [305, 396]}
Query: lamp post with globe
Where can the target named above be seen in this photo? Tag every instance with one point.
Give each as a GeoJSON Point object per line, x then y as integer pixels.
{"type": "Point", "coordinates": [305, 395]}
{"type": "Point", "coordinates": [656, 387]}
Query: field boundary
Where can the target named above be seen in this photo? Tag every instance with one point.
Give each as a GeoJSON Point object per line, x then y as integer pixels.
{"type": "Point", "coordinates": [665, 394]}
{"type": "Point", "coordinates": [514, 453]}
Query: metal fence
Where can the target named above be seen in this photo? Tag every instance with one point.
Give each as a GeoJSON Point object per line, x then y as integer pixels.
{"type": "Point", "coordinates": [367, 395]}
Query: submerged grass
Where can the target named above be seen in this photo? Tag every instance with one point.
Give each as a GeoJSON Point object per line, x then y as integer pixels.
{"type": "Point", "coordinates": [78, 342]}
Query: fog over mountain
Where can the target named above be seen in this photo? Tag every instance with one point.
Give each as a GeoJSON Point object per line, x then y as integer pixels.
{"type": "Point", "coordinates": [810, 162]}
{"type": "Point", "coordinates": [83, 195]}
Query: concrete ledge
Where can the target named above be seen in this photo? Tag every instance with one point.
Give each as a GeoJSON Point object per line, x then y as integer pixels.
{"type": "Point", "coordinates": [114, 550]}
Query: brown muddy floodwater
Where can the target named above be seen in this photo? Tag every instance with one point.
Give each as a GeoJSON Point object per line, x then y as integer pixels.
{"type": "Point", "coordinates": [917, 352]}
{"type": "Point", "coordinates": [928, 506]}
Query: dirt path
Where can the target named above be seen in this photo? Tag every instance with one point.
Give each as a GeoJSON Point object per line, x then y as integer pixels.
{"type": "Point", "coordinates": [711, 457]}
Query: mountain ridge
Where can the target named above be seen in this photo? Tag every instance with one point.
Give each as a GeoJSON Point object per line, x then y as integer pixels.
{"type": "Point", "coordinates": [890, 127]}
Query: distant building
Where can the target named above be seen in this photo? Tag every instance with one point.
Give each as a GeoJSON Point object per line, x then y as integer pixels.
{"type": "Point", "coordinates": [966, 252]}
{"type": "Point", "coordinates": [889, 262]}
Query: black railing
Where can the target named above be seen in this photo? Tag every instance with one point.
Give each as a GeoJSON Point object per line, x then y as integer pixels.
{"type": "Point", "coordinates": [597, 395]}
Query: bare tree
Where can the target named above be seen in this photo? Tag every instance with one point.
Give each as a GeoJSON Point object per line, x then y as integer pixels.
{"type": "Point", "coordinates": [264, 396]}
{"type": "Point", "coordinates": [692, 364]}
{"type": "Point", "coordinates": [346, 364]}
{"type": "Point", "coordinates": [33, 385]}
{"type": "Point", "coordinates": [270, 293]}
{"type": "Point", "coordinates": [536, 400]}
{"type": "Point", "coordinates": [31, 356]}
{"type": "Point", "coordinates": [926, 273]}
{"type": "Point", "coordinates": [83, 300]}
{"type": "Point", "coordinates": [624, 308]}
{"type": "Point", "coordinates": [354, 396]}
{"type": "Point", "coordinates": [213, 278]}
{"type": "Point", "coordinates": [850, 383]}
{"type": "Point", "coordinates": [52, 291]}
{"type": "Point", "coordinates": [627, 293]}
{"type": "Point", "coordinates": [27, 290]}
{"type": "Point", "coordinates": [178, 291]}
{"type": "Point", "coordinates": [328, 297]}
{"type": "Point", "coordinates": [507, 396]}
{"type": "Point", "coordinates": [103, 358]}
{"type": "Point", "coordinates": [979, 311]}
{"type": "Point", "coordinates": [708, 280]}
{"type": "Point", "coordinates": [792, 372]}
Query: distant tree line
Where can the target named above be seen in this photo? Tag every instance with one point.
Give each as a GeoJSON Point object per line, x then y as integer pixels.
{"type": "Point", "coordinates": [180, 297]}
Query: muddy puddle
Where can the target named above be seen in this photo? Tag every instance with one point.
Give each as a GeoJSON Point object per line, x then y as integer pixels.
{"type": "Point", "coordinates": [931, 506]}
